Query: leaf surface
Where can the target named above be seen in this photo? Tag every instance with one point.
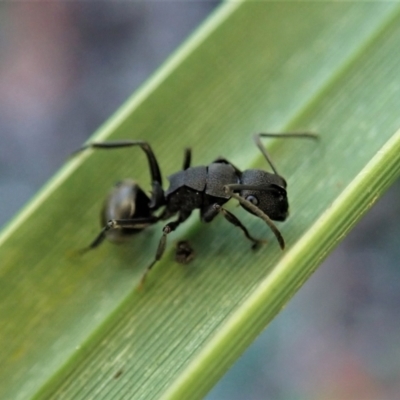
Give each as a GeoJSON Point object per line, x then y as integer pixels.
{"type": "Point", "coordinates": [75, 327]}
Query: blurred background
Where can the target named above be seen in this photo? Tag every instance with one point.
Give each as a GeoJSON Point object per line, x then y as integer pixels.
{"type": "Point", "coordinates": [65, 67]}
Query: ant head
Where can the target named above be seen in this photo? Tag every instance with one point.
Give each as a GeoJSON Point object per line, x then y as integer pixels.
{"type": "Point", "coordinates": [273, 201]}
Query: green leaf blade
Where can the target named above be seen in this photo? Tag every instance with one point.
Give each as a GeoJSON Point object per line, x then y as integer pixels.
{"type": "Point", "coordinates": [91, 335]}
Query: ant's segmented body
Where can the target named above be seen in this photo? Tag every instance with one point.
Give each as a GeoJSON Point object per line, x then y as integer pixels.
{"type": "Point", "coordinates": [128, 209]}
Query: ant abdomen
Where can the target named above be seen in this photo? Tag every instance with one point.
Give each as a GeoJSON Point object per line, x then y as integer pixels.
{"type": "Point", "coordinates": [124, 202]}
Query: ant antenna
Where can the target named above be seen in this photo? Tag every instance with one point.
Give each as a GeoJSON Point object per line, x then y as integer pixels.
{"type": "Point", "coordinates": [257, 139]}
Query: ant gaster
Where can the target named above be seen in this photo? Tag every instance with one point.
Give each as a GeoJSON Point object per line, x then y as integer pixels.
{"type": "Point", "coordinates": [128, 209]}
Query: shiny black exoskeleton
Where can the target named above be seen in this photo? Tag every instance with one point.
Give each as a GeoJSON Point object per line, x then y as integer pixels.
{"type": "Point", "coordinates": [128, 209]}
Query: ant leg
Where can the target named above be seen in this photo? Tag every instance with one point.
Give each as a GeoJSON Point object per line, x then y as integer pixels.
{"type": "Point", "coordinates": [170, 227]}
{"type": "Point", "coordinates": [223, 160]}
{"type": "Point", "coordinates": [257, 139]}
{"type": "Point", "coordinates": [230, 190]}
{"type": "Point", "coordinates": [157, 198]}
{"type": "Point", "coordinates": [138, 223]}
{"type": "Point", "coordinates": [235, 221]}
{"type": "Point", "coordinates": [187, 158]}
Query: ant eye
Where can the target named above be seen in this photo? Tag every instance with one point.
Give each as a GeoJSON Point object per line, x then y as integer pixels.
{"type": "Point", "coordinates": [252, 199]}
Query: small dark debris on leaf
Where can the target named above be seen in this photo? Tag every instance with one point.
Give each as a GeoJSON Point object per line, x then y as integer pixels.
{"type": "Point", "coordinates": [118, 374]}
{"type": "Point", "coordinates": [184, 252]}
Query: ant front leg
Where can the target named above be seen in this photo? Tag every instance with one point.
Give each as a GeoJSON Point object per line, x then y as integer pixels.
{"type": "Point", "coordinates": [231, 189]}
{"type": "Point", "coordinates": [235, 221]}
{"type": "Point", "coordinates": [218, 209]}
{"type": "Point", "coordinates": [170, 227]}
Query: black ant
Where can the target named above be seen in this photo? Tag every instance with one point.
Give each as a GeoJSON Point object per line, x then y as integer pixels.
{"type": "Point", "coordinates": [128, 209]}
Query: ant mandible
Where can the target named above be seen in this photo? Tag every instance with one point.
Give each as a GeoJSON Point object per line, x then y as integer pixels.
{"type": "Point", "coordinates": [128, 209]}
